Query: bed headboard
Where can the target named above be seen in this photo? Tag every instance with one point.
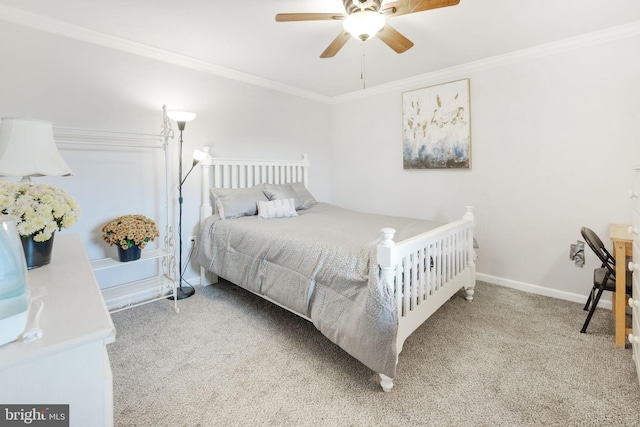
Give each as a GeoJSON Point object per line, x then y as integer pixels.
{"type": "Point", "coordinates": [242, 173]}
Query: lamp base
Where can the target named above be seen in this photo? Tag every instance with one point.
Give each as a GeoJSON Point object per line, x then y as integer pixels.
{"type": "Point", "coordinates": [183, 293]}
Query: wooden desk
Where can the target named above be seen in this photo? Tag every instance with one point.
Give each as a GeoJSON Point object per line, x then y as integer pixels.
{"type": "Point", "coordinates": [622, 248]}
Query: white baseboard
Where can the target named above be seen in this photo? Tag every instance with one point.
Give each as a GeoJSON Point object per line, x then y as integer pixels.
{"type": "Point", "coordinates": [193, 281]}
{"type": "Point", "coordinates": [540, 290]}
{"type": "Point", "coordinates": [120, 296]}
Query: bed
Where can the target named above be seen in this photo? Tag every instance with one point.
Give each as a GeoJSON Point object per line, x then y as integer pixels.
{"type": "Point", "coordinates": [366, 281]}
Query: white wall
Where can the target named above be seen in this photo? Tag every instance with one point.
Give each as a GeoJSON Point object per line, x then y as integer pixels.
{"type": "Point", "coordinates": [80, 85]}
{"type": "Point", "coordinates": [553, 142]}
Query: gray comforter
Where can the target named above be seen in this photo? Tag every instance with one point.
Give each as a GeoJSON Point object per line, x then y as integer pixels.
{"type": "Point", "coordinates": [321, 264]}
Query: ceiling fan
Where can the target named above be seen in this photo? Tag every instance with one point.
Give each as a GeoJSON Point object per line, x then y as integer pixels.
{"type": "Point", "coordinates": [365, 19]}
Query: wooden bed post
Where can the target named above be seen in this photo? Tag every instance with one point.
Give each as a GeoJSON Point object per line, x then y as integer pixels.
{"type": "Point", "coordinates": [387, 267]}
{"type": "Point", "coordinates": [471, 261]}
{"type": "Point", "coordinates": [206, 209]}
{"type": "Point", "coordinates": [305, 173]}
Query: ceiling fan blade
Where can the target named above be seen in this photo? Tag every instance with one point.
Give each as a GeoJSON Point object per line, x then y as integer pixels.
{"type": "Point", "coordinates": [336, 45]}
{"type": "Point", "coordinates": [292, 17]}
{"type": "Point", "coordinates": [394, 39]}
{"type": "Point", "coordinates": [404, 7]}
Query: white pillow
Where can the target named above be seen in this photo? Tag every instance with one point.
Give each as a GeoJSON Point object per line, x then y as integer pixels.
{"type": "Point", "coordinates": [279, 208]}
{"type": "Point", "coordinates": [237, 202]}
{"type": "Point", "coordinates": [304, 199]}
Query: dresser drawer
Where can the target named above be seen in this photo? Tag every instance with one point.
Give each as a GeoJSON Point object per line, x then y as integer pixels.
{"type": "Point", "coordinates": [635, 347]}
{"type": "Point", "coordinates": [634, 194]}
{"type": "Point", "coordinates": [635, 318]}
{"type": "Point", "coordinates": [635, 303]}
{"type": "Point", "coordinates": [636, 357]}
{"type": "Point", "coordinates": [635, 309]}
{"type": "Point", "coordinates": [635, 275]}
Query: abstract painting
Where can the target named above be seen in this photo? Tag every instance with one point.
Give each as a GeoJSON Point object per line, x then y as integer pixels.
{"type": "Point", "coordinates": [436, 127]}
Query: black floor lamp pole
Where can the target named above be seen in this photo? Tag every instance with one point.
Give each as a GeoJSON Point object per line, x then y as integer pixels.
{"type": "Point", "coordinates": [182, 293]}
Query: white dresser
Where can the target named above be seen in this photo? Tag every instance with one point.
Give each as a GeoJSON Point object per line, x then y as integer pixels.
{"type": "Point", "coordinates": [634, 266]}
{"type": "Point", "coordinates": [69, 364]}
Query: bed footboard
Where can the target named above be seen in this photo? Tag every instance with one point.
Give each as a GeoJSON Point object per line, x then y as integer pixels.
{"type": "Point", "coordinates": [425, 271]}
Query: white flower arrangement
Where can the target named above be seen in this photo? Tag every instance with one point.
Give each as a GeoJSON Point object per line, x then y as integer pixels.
{"type": "Point", "coordinates": [38, 209]}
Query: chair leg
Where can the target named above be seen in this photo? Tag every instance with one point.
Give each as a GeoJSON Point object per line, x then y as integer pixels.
{"type": "Point", "coordinates": [594, 304]}
{"type": "Point", "coordinates": [589, 299]}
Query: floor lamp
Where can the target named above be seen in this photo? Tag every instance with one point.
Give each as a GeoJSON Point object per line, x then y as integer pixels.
{"type": "Point", "coordinates": [181, 118]}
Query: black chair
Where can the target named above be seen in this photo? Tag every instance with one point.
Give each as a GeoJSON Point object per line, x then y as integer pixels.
{"type": "Point", "coordinates": [604, 277]}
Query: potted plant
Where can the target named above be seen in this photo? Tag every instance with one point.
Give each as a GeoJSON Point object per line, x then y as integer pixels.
{"type": "Point", "coordinates": [38, 210]}
{"type": "Point", "coordinates": [131, 233]}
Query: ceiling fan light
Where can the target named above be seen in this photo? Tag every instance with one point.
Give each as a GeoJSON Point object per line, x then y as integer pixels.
{"type": "Point", "coordinates": [363, 25]}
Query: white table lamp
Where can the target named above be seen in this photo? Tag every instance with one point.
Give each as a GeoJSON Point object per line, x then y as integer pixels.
{"type": "Point", "coordinates": [27, 149]}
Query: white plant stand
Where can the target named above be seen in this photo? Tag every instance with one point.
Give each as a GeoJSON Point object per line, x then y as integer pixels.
{"type": "Point", "coordinates": [164, 284]}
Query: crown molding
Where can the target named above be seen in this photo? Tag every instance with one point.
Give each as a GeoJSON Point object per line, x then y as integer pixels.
{"type": "Point", "coordinates": [42, 23]}
{"type": "Point", "coordinates": [60, 28]}
{"type": "Point", "coordinates": [524, 55]}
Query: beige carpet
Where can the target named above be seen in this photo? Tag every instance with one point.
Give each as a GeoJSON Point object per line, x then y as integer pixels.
{"type": "Point", "coordinates": [506, 359]}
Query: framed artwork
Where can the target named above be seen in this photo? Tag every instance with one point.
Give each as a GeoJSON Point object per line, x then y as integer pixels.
{"type": "Point", "coordinates": [436, 127]}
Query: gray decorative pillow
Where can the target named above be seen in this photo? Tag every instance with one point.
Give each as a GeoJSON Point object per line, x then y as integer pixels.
{"type": "Point", "coordinates": [237, 202]}
{"type": "Point", "coordinates": [279, 208]}
{"type": "Point", "coordinates": [297, 190]}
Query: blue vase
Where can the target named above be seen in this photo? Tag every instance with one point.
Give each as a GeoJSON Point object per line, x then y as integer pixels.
{"type": "Point", "coordinates": [132, 253]}
{"type": "Point", "coordinates": [37, 254]}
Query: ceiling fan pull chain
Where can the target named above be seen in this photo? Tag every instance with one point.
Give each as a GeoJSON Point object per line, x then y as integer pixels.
{"type": "Point", "coordinates": [363, 71]}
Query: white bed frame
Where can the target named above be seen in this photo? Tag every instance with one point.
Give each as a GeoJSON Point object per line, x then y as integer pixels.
{"type": "Point", "coordinates": [438, 263]}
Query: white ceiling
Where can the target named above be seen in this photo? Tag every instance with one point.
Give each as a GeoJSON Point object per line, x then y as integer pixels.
{"type": "Point", "coordinates": [242, 35]}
